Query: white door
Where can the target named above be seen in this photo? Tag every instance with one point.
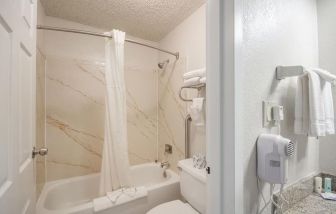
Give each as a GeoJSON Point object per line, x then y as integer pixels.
{"type": "Point", "coordinates": [17, 105]}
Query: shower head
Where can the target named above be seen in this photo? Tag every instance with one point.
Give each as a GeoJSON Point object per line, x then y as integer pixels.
{"type": "Point", "coordinates": [162, 64]}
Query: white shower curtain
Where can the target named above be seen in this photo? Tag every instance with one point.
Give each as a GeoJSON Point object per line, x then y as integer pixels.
{"type": "Point", "coordinates": [115, 163]}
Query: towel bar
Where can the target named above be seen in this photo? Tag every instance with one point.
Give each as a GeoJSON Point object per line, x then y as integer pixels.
{"type": "Point", "coordinates": [198, 87]}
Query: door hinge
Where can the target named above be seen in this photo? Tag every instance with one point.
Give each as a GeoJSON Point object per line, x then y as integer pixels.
{"type": "Point", "coordinates": [208, 170]}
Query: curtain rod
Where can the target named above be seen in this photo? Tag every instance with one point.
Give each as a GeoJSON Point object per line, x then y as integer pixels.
{"type": "Point", "coordinates": [41, 27]}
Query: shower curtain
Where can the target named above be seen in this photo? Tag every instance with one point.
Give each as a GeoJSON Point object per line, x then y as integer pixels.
{"type": "Point", "coordinates": [115, 172]}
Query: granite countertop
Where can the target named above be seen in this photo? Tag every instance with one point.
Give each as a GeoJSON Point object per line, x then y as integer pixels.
{"type": "Point", "coordinates": [313, 204]}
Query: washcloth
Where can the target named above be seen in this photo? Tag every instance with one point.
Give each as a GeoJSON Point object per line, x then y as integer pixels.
{"type": "Point", "coordinates": [119, 197]}
{"type": "Point", "coordinates": [192, 81]}
{"type": "Point", "coordinates": [203, 80]}
{"type": "Point", "coordinates": [194, 73]}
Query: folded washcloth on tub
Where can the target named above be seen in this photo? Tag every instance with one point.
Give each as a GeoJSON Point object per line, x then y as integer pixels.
{"type": "Point", "coordinates": [118, 197]}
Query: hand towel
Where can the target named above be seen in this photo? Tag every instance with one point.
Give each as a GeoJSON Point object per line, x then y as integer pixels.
{"type": "Point", "coordinates": [316, 105]}
{"type": "Point", "coordinates": [301, 122]}
{"type": "Point", "coordinates": [203, 80]}
{"type": "Point", "coordinates": [192, 81]}
{"type": "Point", "coordinates": [326, 80]}
{"type": "Point", "coordinates": [194, 73]}
{"type": "Point", "coordinates": [196, 111]}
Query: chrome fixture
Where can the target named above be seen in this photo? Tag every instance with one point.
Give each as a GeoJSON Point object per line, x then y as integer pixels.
{"type": "Point", "coordinates": [198, 87]}
{"type": "Point", "coordinates": [165, 166]}
{"type": "Point", "coordinates": [40, 27]}
{"type": "Point", "coordinates": [187, 122]}
{"type": "Point", "coordinates": [168, 149]}
{"type": "Point", "coordinates": [162, 64]}
{"type": "Point", "coordinates": [42, 151]}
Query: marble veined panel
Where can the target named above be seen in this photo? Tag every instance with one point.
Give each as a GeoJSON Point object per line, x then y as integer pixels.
{"type": "Point", "coordinates": [75, 115]}
{"type": "Point", "coordinates": [172, 112]}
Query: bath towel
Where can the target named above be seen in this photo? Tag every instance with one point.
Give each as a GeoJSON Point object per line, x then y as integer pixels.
{"type": "Point", "coordinates": [195, 73]}
{"type": "Point", "coordinates": [192, 81]}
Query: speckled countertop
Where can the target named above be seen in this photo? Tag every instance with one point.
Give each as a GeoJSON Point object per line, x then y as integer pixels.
{"type": "Point", "coordinates": [313, 204]}
{"type": "Point", "coordinates": [300, 198]}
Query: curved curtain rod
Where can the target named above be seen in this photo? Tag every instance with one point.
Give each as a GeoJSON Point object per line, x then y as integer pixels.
{"type": "Point", "coordinates": [41, 27]}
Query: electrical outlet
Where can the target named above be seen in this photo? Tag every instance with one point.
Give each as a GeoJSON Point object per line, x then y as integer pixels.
{"type": "Point", "coordinates": [267, 113]}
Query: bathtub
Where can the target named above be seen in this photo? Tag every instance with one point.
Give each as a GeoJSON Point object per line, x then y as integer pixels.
{"type": "Point", "coordinates": [75, 195]}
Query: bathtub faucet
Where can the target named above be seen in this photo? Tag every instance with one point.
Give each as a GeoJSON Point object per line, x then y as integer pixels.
{"type": "Point", "coordinates": [164, 165]}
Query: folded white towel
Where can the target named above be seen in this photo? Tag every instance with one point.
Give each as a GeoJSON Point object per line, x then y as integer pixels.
{"type": "Point", "coordinates": [195, 73]}
{"type": "Point", "coordinates": [203, 80]}
{"type": "Point", "coordinates": [314, 110]}
{"type": "Point", "coordinates": [118, 197]}
{"type": "Point", "coordinates": [192, 81]}
{"type": "Point", "coordinates": [316, 105]}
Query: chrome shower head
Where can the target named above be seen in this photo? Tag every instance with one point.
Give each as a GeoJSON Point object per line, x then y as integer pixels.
{"type": "Point", "coordinates": [162, 64]}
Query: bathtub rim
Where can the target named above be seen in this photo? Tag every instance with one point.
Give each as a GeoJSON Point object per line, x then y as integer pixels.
{"type": "Point", "coordinates": [49, 186]}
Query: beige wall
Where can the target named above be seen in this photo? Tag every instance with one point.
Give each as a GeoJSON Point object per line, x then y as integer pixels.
{"type": "Point", "coordinates": [189, 38]}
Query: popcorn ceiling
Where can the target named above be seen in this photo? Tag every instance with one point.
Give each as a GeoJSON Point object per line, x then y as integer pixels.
{"type": "Point", "coordinates": [147, 19]}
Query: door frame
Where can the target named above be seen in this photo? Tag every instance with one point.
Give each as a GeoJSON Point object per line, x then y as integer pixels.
{"type": "Point", "coordinates": [224, 36]}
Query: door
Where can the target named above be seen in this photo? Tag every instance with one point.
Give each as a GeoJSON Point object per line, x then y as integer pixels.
{"type": "Point", "coordinates": [17, 105]}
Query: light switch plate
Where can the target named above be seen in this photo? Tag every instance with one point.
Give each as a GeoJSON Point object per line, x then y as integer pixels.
{"type": "Point", "coordinates": [267, 113]}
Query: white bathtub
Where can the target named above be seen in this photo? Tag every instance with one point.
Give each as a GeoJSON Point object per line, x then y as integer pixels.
{"type": "Point", "coordinates": [75, 195]}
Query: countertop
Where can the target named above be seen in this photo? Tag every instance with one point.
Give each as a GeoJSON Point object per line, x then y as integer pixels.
{"type": "Point", "coordinates": [313, 204]}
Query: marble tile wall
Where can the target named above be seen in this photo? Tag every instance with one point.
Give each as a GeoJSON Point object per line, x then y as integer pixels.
{"type": "Point", "coordinates": [75, 115]}
{"type": "Point", "coordinates": [40, 120]}
{"type": "Point", "coordinates": [172, 112]}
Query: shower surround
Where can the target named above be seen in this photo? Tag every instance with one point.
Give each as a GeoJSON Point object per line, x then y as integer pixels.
{"type": "Point", "coordinates": [75, 93]}
{"type": "Point", "coordinates": [75, 107]}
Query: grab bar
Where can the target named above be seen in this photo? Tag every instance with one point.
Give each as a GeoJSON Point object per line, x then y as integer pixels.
{"type": "Point", "coordinates": [187, 122]}
{"type": "Point", "coordinates": [198, 87]}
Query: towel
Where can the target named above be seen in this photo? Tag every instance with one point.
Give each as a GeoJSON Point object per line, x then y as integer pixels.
{"type": "Point", "coordinates": [327, 80]}
{"type": "Point", "coordinates": [203, 80]}
{"type": "Point", "coordinates": [301, 122]}
{"type": "Point", "coordinates": [118, 197]}
{"type": "Point", "coordinates": [325, 75]}
{"type": "Point", "coordinates": [192, 81]}
{"type": "Point", "coordinates": [196, 111]}
{"type": "Point", "coordinates": [194, 73]}
{"type": "Point", "coordinates": [314, 111]}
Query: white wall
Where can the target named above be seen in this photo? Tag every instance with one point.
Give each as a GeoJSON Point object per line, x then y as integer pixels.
{"type": "Point", "coordinates": [326, 17]}
{"type": "Point", "coordinates": [273, 33]}
{"type": "Point", "coordinates": [189, 39]}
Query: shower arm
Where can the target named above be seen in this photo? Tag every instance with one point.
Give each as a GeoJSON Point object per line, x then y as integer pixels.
{"type": "Point", "coordinates": [41, 27]}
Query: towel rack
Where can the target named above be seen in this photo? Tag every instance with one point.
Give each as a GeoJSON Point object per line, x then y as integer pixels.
{"type": "Point", "coordinates": [198, 87]}
{"type": "Point", "coordinates": [283, 72]}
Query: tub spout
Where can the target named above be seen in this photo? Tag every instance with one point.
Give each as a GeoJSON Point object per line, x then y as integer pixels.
{"type": "Point", "coordinates": [165, 165]}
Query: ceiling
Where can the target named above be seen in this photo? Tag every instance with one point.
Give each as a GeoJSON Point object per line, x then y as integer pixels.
{"type": "Point", "coordinates": [147, 19]}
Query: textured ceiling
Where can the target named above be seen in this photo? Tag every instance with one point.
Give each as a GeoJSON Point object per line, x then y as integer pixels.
{"type": "Point", "coordinates": [147, 19]}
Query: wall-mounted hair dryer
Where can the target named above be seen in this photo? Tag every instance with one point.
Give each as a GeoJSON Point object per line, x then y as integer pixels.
{"type": "Point", "coordinates": [272, 154]}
